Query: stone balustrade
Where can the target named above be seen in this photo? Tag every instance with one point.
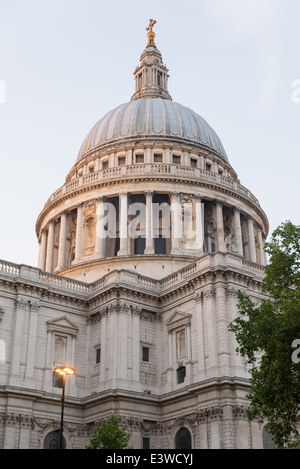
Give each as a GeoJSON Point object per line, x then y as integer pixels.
{"type": "Point", "coordinates": [152, 169]}
{"type": "Point", "coordinates": [132, 279]}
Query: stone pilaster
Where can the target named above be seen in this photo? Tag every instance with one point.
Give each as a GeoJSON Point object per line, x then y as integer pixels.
{"type": "Point", "coordinates": [149, 224]}
{"type": "Point", "coordinates": [78, 247]}
{"type": "Point", "coordinates": [50, 247]}
{"type": "Point", "coordinates": [62, 241]}
{"type": "Point", "coordinates": [252, 251]}
{"type": "Point", "coordinates": [220, 226]}
{"type": "Point", "coordinates": [238, 232]}
{"type": "Point", "coordinates": [123, 224]}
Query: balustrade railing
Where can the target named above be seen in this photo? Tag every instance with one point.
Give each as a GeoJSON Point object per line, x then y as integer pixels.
{"type": "Point", "coordinates": [152, 169]}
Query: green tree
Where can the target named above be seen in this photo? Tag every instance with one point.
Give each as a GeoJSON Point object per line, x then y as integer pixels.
{"type": "Point", "coordinates": [267, 336]}
{"type": "Point", "coordinates": [110, 435]}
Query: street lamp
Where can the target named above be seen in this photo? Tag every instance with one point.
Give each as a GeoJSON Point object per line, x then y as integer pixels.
{"type": "Point", "coordinates": [63, 371]}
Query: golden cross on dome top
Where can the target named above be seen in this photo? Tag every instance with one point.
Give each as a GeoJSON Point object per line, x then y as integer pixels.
{"type": "Point", "coordinates": [151, 34]}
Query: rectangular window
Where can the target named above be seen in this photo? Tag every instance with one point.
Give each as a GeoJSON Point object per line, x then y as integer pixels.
{"type": "Point", "coordinates": [176, 159]}
{"type": "Point", "coordinates": [105, 165]}
{"type": "Point", "coordinates": [146, 443]}
{"type": "Point", "coordinates": [146, 354]}
{"type": "Point", "coordinates": [57, 380]}
{"type": "Point", "coordinates": [193, 163]}
{"type": "Point", "coordinates": [139, 159]}
{"type": "Point", "coordinates": [122, 160]}
{"type": "Point", "coordinates": [213, 247]}
{"type": "Point", "coordinates": [98, 355]}
{"type": "Point", "coordinates": [158, 158]}
{"type": "Point", "coordinates": [159, 76]}
{"type": "Point", "coordinates": [181, 373]}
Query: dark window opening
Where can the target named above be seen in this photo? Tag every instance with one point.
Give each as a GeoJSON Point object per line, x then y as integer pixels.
{"type": "Point", "coordinates": [139, 159]}
{"type": "Point", "coordinates": [160, 245]}
{"type": "Point", "coordinates": [146, 354]}
{"type": "Point", "coordinates": [146, 443]}
{"type": "Point", "coordinates": [183, 439]}
{"type": "Point", "coordinates": [159, 79]}
{"type": "Point", "coordinates": [98, 355]}
{"type": "Point", "coordinates": [139, 245]}
{"type": "Point", "coordinates": [181, 373]}
{"type": "Point", "coordinates": [117, 246]}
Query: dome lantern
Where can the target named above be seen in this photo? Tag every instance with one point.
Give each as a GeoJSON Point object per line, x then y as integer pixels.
{"type": "Point", "coordinates": [151, 76]}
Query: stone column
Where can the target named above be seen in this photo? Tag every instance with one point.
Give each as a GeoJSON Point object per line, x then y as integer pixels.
{"type": "Point", "coordinates": [176, 223]}
{"type": "Point", "coordinates": [50, 247]}
{"type": "Point", "coordinates": [220, 226]}
{"type": "Point", "coordinates": [78, 246]}
{"type": "Point", "coordinates": [100, 233]}
{"type": "Point", "coordinates": [123, 224]}
{"type": "Point", "coordinates": [149, 249]}
{"type": "Point", "coordinates": [238, 232]}
{"type": "Point", "coordinates": [261, 246]}
{"type": "Point", "coordinates": [251, 240]}
{"type": "Point", "coordinates": [199, 210]}
{"type": "Point", "coordinates": [43, 250]}
{"type": "Point", "coordinates": [62, 241]}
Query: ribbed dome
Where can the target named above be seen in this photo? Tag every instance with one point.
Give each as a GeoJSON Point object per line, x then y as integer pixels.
{"type": "Point", "coordinates": [152, 117]}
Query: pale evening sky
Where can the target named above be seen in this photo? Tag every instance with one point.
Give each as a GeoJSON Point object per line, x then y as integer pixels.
{"type": "Point", "coordinates": [65, 63]}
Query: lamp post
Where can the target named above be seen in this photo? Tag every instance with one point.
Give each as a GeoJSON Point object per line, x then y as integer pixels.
{"type": "Point", "coordinates": [63, 371]}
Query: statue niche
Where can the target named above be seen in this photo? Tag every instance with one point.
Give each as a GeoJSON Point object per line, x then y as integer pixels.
{"type": "Point", "coordinates": [89, 232]}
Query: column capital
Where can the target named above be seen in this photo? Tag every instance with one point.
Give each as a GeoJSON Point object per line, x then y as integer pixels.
{"type": "Point", "coordinates": [101, 199]}
{"type": "Point", "coordinates": [149, 193]}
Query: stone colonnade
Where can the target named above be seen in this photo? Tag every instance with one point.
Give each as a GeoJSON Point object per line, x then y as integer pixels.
{"type": "Point", "coordinates": [253, 233]}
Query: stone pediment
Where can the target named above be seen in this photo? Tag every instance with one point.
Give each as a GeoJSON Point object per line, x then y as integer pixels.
{"type": "Point", "coordinates": [62, 324]}
{"type": "Point", "coordinates": [177, 319]}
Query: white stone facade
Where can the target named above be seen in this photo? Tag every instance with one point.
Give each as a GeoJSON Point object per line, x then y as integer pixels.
{"type": "Point", "coordinates": [143, 322]}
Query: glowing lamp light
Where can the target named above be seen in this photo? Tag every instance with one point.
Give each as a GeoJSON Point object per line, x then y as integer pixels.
{"type": "Point", "coordinates": [64, 370]}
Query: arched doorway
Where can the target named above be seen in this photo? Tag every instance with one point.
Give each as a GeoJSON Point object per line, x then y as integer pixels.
{"type": "Point", "coordinates": [51, 441]}
{"type": "Point", "coordinates": [183, 439]}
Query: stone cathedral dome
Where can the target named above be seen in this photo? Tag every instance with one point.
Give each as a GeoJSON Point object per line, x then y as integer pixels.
{"type": "Point", "coordinates": [154, 152]}
{"type": "Point", "coordinates": [153, 118]}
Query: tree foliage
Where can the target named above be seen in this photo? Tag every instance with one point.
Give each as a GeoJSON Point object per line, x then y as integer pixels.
{"type": "Point", "coordinates": [110, 435]}
{"type": "Point", "coordinates": [267, 336]}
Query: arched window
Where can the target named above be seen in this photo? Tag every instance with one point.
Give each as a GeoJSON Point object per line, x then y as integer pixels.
{"type": "Point", "coordinates": [52, 441]}
{"type": "Point", "coordinates": [180, 344]}
{"type": "Point", "coordinates": [183, 439]}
